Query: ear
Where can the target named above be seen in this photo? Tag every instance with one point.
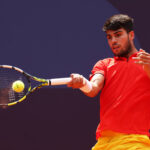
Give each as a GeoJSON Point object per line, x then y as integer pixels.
{"type": "Point", "coordinates": [131, 35]}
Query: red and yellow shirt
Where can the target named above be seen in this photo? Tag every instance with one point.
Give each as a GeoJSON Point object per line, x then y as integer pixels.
{"type": "Point", "coordinates": [125, 97]}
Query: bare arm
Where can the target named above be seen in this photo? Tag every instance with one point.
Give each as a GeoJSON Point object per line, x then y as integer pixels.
{"type": "Point", "coordinates": [97, 83]}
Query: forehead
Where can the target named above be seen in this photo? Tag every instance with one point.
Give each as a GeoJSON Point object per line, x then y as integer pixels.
{"type": "Point", "coordinates": [121, 30]}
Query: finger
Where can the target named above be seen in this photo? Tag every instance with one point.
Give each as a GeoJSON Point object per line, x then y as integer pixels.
{"type": "Point", "coordinates": [143, 53]}
{"type": "Point", "coordinates": [77, 81]}
{"type": "Point", "coordinates": [141, 50]}
{"type": "Point", "coordinates": [142, 59]}
{"type": "Point", "coordinates": [144, 56]}
{"type": "Point", "coordinates": [73, 76]}
{"type": "Point", "coordinates": [142, 62]}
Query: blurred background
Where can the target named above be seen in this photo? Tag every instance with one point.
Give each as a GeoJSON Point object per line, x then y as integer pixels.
{"type": "Point", "coordinates": [51, 39]}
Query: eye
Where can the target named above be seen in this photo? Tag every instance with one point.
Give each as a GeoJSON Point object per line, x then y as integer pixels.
{"type": "Point", "coordinates": [118, 35]}
{"type": "Point", "coordinates": [108, 37]}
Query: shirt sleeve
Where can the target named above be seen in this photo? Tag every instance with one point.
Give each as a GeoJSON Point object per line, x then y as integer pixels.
{"type": "Point", "coordinates": [99, 68]}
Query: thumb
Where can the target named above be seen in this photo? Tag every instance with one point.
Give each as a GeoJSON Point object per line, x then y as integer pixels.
{"type": "Point", "coordinates": [142, 50]}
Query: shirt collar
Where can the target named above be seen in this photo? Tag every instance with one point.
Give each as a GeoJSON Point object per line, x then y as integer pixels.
{"type": "Point", "coordinates": [124, 58]}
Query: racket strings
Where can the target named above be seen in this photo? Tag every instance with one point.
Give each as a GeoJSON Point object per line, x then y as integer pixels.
{"type": "Point", "coordinates": [7, 78]}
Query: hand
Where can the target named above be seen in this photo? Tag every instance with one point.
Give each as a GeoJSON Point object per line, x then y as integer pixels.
{"type": "Point", "coordinates": [77, 81]}
{"type": "Point", "coordinates": [143, 58]}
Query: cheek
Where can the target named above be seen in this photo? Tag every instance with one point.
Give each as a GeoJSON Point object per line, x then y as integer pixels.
{"type": "Point", "coordinates": [109, 43]}
{"type": "Point", "coordinates": [123, 42]}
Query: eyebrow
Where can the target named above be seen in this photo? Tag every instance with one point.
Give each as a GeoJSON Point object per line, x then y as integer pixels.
{"type": "Point", "coordinates": [118, 31]}
{"type": "Point", "coordinates": [115, 32]}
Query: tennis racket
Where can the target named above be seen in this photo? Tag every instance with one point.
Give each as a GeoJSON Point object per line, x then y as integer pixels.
{"type": "Point", "coordinates": [10, 74]}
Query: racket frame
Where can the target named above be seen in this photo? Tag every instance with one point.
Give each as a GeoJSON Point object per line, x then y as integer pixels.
{"type": "Point", "coordinates": [44, 82]}
{"type": "Point", "coordinates": [28, 77]}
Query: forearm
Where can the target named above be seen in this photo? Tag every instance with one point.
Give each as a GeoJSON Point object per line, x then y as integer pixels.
{"type": "Point", "coordinates": [94, 90]}
{"type": "Point", "coordinates": [89, 88]}
{"type": "Point", "coordinates": [93, 87]}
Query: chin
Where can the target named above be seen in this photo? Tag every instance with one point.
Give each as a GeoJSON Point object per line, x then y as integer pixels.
{"type": "Point", "coordinates": [116, 53]}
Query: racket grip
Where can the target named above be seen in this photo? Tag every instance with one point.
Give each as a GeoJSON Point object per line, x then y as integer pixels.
{"type": "Point", "coordinates": [60, 81]}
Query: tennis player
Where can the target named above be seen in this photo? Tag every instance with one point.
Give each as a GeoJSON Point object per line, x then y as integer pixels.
{"type": "Point", "coordinates": [124, 82]}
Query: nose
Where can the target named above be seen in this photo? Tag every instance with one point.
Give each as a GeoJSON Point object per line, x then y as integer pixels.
{"type": "Point", "coordinates": [114, 40]}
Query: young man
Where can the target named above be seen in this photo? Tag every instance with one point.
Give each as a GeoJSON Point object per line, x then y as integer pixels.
{"type": "Point", "coordinates": [124, 82]}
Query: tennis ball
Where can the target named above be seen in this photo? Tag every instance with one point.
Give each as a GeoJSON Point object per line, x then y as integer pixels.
{"type": "Point", "coordinates": [18, 86]}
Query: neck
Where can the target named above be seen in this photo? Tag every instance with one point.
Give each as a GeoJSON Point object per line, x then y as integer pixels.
{"type": "Point", "coordinates": [133, 50]}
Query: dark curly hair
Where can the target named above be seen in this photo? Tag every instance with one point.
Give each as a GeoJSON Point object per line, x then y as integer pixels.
{"type": "Point", "coordinates": [119, 21]}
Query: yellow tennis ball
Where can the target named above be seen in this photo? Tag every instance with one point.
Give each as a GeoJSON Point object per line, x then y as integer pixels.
{"type": "Point", "coordinates": [18, 86]}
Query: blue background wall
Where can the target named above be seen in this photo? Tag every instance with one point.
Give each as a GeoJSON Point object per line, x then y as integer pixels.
{"type": "Point", "coordinates": [53, 38]}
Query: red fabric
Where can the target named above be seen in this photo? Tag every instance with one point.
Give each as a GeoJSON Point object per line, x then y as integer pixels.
{"type": "Point", "coordinates": [125, 97]}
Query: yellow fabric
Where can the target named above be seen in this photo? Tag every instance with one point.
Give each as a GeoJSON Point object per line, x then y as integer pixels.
{"type": "Point", "coordinates": [117, 141]}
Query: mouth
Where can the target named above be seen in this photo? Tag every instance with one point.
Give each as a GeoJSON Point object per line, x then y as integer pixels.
{"type": "Point", "coordinates": [115, 48]}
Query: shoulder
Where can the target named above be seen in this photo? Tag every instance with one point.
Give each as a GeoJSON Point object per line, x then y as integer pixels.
{"type": "Point", "coordinates": [105, 62]}
{"type": "Point", "coordinates": [101, 66]}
